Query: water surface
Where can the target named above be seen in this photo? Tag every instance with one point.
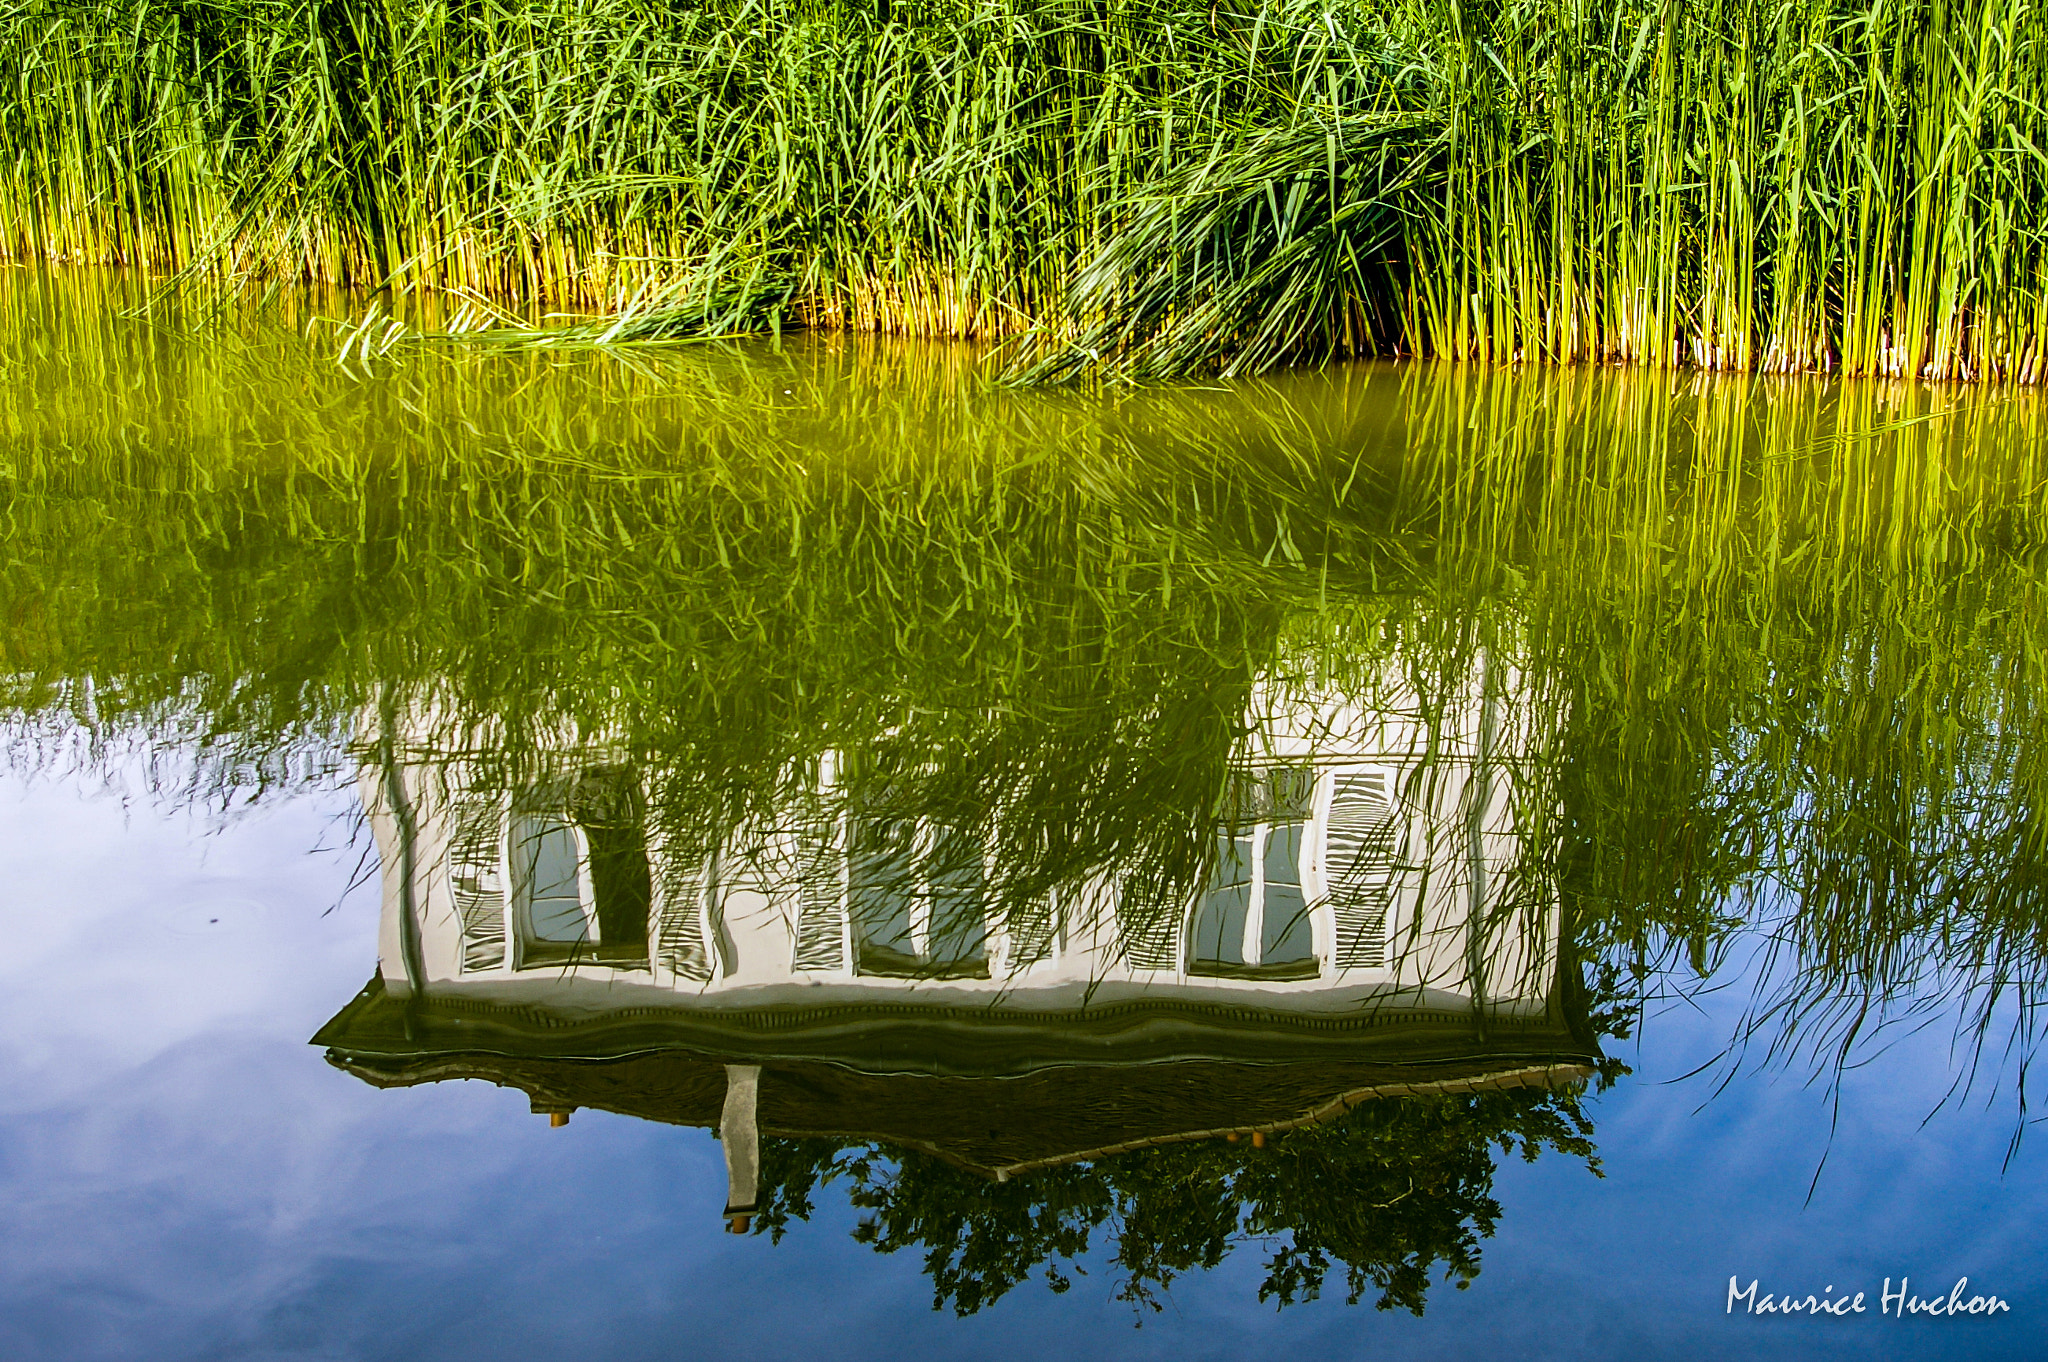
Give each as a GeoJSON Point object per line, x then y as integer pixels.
{"type": "Point", "coordinates": [1393, 859]}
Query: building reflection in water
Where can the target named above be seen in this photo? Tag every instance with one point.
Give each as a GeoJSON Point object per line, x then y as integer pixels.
{"type": "Point", "coordinates": [1375, 917]}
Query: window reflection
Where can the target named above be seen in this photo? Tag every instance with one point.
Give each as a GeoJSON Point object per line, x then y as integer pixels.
{"type": "Point", "coordinates": [917, 895]}
{"type": "Point", "coordinates": [547, 882]}
{"type": "Point", "coordinates": [581, 887]}
{"type": "Point", "coordinates": [1252, 919]}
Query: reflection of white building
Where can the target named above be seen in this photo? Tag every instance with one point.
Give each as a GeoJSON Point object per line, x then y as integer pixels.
{"type": "Point", "coordinates": [1361, 856]}
{"type": "Point", "coordinates": [1375, 919]}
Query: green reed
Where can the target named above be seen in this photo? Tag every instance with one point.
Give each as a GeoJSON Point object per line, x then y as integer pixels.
{"type": "Point", "coordinates": [1146, 187]}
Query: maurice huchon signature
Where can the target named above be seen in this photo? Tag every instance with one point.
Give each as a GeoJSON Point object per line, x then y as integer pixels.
{"type": "Point", "coordinates": [1895, 1304]}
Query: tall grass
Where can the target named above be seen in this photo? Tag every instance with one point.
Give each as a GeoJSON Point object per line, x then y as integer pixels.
{"type": "Point", "coordinates": [1152, 187]}
{"type": "Point", "coordinates": [930, 168]}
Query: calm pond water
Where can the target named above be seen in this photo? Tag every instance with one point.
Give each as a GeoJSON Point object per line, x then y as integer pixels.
{"type": "Point", "coordinates": [787, 848]}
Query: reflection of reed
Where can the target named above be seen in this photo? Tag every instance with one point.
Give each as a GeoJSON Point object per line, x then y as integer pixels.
{"type": "Point", "coordinates": [1764, 636]}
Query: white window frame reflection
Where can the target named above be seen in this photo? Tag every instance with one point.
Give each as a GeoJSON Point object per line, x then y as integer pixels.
{"type": "Point", "coordinates": [919, 892]}
{"type": "Point", "coordinates": [1244, 936]}
{"type": "Point", "coordinates": [1208, 947]}
{"type": "Point", "coordinates": [534, 948]}
{"type": "Point", "coordinates": [506, 922]}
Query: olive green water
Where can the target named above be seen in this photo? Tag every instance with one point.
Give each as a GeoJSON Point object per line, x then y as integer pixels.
{"type": "Point", "coordinates": [1765, 660]}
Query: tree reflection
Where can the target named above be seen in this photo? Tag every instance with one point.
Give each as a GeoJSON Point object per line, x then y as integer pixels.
{"type": "Point", "coordinates": [1393, 1196]}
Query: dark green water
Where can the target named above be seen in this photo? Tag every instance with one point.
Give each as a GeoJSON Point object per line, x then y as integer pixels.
{"type": "Point", "coordinates": [1215, 859]}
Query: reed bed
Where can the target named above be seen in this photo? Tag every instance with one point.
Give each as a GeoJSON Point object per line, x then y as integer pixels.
{"type": "Point", "coordinates": [1143, 188]}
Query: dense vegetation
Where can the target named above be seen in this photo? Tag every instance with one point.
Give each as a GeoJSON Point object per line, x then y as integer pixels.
{"type": "Point", "coordinates": [1154, 186]}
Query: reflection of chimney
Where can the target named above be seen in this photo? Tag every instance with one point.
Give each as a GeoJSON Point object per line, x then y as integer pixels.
{"type": "Point", "coordinates": [739, 1130]}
